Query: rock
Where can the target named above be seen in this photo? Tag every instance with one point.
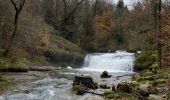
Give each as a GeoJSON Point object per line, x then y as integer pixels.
{"type": "Point", "coordinates": [154, 97]}
{"type": "Point", "coordinates": [80, 92]}
{"type": "Point", "coordinates": [124, 87]}
{"type": "Point", "coordinates": [105, 75]}
{"type": "Point", "coordinates": [104, 87]}
{"type": "Point", "coordinates": [145, 85]}
{"type": "Point", "coordinates": [142, 92]}
{"type": "Point", "coordinates": [69, 67]}
{"type": "Point", "coordinates": [113, 88]}
{"type": "Point", "coordinates": [84, 83]}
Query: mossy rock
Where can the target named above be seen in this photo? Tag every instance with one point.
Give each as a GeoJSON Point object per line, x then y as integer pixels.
{"type": "Point", "coordinates": [82, 84]}
{"type": "Point", "coordinates": [124, 87]}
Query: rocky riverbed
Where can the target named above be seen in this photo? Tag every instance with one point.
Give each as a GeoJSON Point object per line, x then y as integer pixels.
{"type": "Point", "coordinates": [50, 85]}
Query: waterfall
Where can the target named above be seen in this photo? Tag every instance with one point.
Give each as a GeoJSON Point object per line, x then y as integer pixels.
{"type": "Point", "coordinates": [120, 61]}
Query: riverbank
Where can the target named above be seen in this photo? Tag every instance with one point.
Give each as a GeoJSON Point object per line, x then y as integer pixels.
{"type": "Point", "coordinates": [11, 79]}
{"type": "Point", "coordinates": [145, 85]}
{"type": "Point", "coordinates": [156, 84]}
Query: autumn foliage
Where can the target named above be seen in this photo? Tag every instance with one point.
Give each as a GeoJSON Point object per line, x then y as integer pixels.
{"type": "Point", "coordinates": [104, 25]}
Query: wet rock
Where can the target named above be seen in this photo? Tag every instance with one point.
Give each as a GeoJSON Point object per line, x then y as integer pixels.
{"type": "Point", "coordinates": [83, 83]}
{"type": "Point", "coordinates": [105, 75]}
{"type": "Point", "coordinates": [124, 87]}
{"type": "Point", "coordinates": [80, 92]}
{"type": "Point", "coordinates": [104, 86]}
{"type": "Point", "coordinates": [113, 88]}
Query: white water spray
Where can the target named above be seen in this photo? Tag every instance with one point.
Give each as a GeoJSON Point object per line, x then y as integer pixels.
{"type": "Point", "coordinates": [120, 61]}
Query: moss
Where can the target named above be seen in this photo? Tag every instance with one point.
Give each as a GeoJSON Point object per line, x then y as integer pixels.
{"type": "Point", "coordinates": [134, 84]}
{"type": "Point", "coordinates": [2, 79]}
{"type": "Point", "coordinates": [111, 95]}
{"type": "Point", "coordinates": [38, 59]}
{"type": "Point", "coordinates": [158, 82]}
{"type": "Point", "coordinates": [76, 87]}
{"type": "Point", "coordinates": [19, 64]}
{"type": "Point", "coordinates": [119, 96]}
{"type": "Point", "coordinates": [4, 62]}
{"type": "Point", "coordinates": [137, 77]}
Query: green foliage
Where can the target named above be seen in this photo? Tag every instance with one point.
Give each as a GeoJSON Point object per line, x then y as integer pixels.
{"type": "Point", "coordinates": [146, 59]}
{"type": "Point", "coordinates": [20, 63]}
{"type": "Point", "coordinates": [4, 62]}
{"type": "Point", "coordinates": [134, 84]}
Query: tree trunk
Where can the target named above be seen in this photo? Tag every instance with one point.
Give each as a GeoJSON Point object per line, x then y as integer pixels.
{"type": "Point", "coordinates": [159, 45]}
{"type": "Point", "coordinates": [13, 34]}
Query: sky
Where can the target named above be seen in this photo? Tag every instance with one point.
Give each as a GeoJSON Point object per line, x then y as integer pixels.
{"type": "Point", "coordinates": [129, 3]}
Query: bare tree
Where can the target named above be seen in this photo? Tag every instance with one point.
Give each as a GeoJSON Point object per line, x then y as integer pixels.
{"type": "Point", "coordinates": [18, 5]}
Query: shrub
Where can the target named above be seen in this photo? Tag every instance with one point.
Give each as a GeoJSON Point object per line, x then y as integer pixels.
{"type": "Point", "coordinates": [145, 60]}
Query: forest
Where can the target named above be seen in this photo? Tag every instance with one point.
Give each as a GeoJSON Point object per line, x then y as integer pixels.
{"type": "Point", "coordinates": [62, 32]}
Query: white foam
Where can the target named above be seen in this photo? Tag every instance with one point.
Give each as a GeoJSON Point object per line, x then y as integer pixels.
{"type": "Point", "coordinates": [121, 61]}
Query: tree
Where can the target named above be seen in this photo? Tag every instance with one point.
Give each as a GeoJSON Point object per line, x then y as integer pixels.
{"type": "Point", "coordinates": [18, 5]}
{"type": "Point", "coordinates": [165, 40]}
{"type": "Point", "coordinates": [104, 25]}
{"type": "Point", "coordinates": [159, 32]}
{"type": "Point", "coordinates": [49, 11]}
{"type": "Point", "coordinates": [70, 9]}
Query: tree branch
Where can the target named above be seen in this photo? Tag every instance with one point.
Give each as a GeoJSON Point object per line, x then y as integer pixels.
{"type": "Point", "coordinates": [14, 4]}
{"type": "Point", "coordinates": [21, 5]}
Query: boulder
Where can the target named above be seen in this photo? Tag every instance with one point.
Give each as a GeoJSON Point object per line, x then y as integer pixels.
{"type": "Point", "coordinates": [82, 84]}
{"type": "Point", "coordinates": [105, 75]}
{"type": "Point", "coordinates": [124, 87]}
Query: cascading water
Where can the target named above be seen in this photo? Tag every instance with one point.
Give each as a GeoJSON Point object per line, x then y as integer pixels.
{"type": "Point", "coordinates": [120, 61]}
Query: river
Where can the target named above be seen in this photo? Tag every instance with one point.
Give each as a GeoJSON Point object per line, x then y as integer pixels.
{"type": "Point", "coordinates": [58, 84]}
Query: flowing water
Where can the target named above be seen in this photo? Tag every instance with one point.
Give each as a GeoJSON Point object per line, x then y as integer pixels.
{"type": "Point", "coordinates": [57, 86]}
{"type": "Point", "coordinates": [111, 62]}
